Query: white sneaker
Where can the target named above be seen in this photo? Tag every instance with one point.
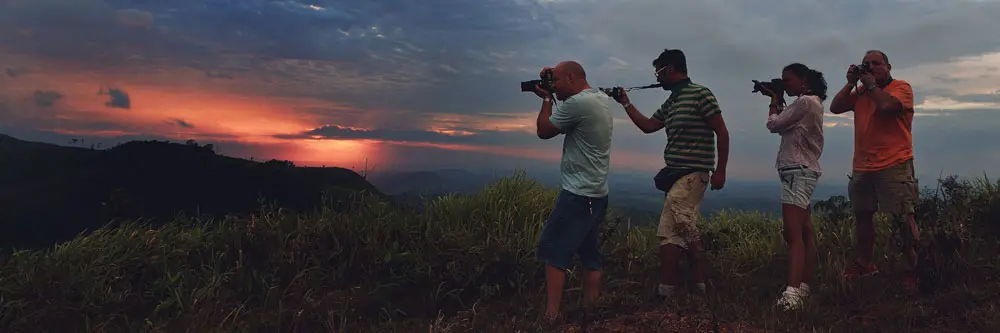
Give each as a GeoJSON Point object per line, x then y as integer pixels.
{"type": "Point", "coordinates": [803, 290]}
{"type": "Point", "coordinates": [790, 299]}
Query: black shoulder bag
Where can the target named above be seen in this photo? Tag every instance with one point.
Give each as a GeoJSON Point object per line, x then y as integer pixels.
{"type": "Point", "coordinates": [667, 176]}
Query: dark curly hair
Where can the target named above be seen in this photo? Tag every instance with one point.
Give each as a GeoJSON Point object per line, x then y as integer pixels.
{"type": "Point", "coordinates": [814, 79]}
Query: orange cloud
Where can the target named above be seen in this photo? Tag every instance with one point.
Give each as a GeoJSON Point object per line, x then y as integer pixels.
{"type": "Point", "coordinates": [333, 152]}
{"type": "Point", "coordinates": [176, 105]}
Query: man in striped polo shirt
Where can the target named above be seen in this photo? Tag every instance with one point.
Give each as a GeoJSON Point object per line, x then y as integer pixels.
{"type": "Point", "coordinates": [693, 120]}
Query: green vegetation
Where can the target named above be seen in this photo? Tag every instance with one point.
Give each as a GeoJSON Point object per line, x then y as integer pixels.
{"type": "Point", "coordinates": [466, 263]}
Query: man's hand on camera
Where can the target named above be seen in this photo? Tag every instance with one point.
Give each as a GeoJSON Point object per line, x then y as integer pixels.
{"type": "Point", "coordinates": [867, 79]}
{"type": "Point", "coordinates": [538, 89]}
{"type": "Point", "coordinates": [541, 73]}
{"type": "Point", "coordinates": [623, 99]}
{"type": "Point", "coordinates": [851, 78]}
{"type": "Point", "coordinates": [542, 92]}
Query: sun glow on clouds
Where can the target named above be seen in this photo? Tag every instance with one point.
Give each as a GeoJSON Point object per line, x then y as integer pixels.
{"type": "Point", "coordinates": [450, 132]}
{"type": "Point", "coordinates": [333, 152]}
{"type": "Point", "coordinates": [174, 111]}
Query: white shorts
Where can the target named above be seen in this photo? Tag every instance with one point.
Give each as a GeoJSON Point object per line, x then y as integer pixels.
{"type": "Point", "coordinates": [797, 185]}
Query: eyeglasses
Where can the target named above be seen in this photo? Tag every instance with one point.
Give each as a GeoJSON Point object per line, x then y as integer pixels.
{"type": "Point", "coordinates": [657, 72]}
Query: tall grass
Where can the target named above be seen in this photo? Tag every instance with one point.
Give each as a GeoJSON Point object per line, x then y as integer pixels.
{"type": "Point", "coordinates": [470, 260]}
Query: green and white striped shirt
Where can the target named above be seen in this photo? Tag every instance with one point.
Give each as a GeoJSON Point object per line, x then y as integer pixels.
{"type": "Point", "coordinates": [690, 139]}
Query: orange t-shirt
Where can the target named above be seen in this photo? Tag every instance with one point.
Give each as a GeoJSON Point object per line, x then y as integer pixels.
{"type": "Point", "coordinates": [883, 139]}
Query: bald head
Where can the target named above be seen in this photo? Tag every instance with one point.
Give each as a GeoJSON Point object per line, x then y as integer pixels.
{"type": "Point", "coordinates": [572, 67]}
{"type": "Point", "coordinates": [570, 79]}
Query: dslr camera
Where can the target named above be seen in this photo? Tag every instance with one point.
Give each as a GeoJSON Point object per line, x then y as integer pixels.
{"type": "Point", "coordinates": [776, 85]}
{"type": "Point", "coordinates": [615, 93]}
{"type": "Point", "coordinates": [545, 82]}
{"type": "Point", "coordinates": [862, 68]}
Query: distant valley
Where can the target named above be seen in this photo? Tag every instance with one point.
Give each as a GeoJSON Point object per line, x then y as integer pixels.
{"type": "Point", "coordinates": [632, 194]}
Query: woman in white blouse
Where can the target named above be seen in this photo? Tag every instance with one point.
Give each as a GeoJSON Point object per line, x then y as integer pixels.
{"type": "Point", "coordinates": [800, 125]}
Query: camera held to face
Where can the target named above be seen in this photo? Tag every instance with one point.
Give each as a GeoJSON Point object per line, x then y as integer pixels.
{"type": "Point", "coordinates": [545, 83]}
{"type": "Point", "coordinates": [863, 68]}
{"type": "Point", "coordinates": [776, 85]}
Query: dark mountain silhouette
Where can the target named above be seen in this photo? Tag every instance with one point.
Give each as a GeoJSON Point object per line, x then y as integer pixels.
{"type": "Point", "coordinates": [51, 193]}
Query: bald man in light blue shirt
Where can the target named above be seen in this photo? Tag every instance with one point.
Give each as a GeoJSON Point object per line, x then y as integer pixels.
{"type": "Point", "coordinates": [573, 227]}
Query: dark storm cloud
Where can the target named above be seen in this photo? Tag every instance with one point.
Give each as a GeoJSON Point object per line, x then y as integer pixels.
{"type": "Point", "coordinates": [181, 123]}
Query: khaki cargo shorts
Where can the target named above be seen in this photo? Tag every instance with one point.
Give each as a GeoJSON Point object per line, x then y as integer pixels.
{"type": "Point", "coordinates": [680, 210]}
{"type": "Point", "coordinates": [892, 191]}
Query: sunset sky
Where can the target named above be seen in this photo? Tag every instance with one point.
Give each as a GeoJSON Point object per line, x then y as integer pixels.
{"type": "Point", "coordinates": [434, 83]}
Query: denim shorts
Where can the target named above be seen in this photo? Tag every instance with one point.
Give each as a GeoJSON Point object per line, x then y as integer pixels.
{"type": "Point", "coordinates": [797, 185]}
{"type": "Point", "coordinates": [573, 228]}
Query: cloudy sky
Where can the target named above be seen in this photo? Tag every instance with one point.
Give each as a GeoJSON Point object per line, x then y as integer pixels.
{"type": "Point", "coordinates": [434, 83]}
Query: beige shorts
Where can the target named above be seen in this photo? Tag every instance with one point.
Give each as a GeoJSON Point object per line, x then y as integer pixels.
{"type": "Point", "coordinates": [893, 191]}
{"type": "Point", "coordinates": [680, 210]}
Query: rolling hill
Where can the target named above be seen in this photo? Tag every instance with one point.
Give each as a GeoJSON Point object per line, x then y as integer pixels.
{"type": "Point", "coordinates": [51, 193]}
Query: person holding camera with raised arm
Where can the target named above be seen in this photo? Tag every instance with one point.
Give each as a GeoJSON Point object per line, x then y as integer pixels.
{"type": "Point", "coordinates": [692, 120]}
{"type": "Point", "coordinates": [883, 177]}
{"type": "Point", "coordinates": [800, 125]}
{"type": "Point", "coordinates": [573, 226]}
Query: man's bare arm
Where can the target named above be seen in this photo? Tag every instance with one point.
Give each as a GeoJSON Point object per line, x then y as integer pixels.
{"type": "Point", "coordinates": [545, 129]}
{"type": "Point", "coordinates": [844, 100]}
{"type": "Point", "coordinates": [884, 101]}
{"type": "Point", "coordinates": [722, 135]}
{"type": "Point", "coordinates": [646, 125]}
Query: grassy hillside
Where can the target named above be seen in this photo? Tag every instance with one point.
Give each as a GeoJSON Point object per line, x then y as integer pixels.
{"type": "Point", "coordinates": [51, 193]}
{"type": "Point", "coordinates": [466, 263]}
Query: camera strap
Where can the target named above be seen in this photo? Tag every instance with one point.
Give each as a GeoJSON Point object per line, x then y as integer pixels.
{"type": "Point", "coordinates": [655, 85]}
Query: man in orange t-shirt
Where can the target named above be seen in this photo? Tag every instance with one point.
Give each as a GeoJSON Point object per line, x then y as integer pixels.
{"type": "Point", "coordinates": [883, 177]}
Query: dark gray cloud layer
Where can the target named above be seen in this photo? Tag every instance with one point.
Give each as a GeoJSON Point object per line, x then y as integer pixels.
{"type": "Point", "coordinates": [466, 57]}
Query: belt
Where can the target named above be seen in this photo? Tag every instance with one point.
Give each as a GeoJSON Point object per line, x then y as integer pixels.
{"type": "Point", "coordinates": [794, 167]}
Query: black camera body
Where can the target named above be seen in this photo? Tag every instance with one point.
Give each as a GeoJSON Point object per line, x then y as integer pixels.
{"type": "Point", "coordinates": [545, 83]}
{"type": "Point", "coordinates": [861, 69]}
{"type": "Point", "coordinates": [615, 93]}
{"type": "Point", "coordinates": [775, 85]}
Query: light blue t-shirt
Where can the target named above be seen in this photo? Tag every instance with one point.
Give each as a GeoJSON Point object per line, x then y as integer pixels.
{"type": "Point", "coordinates": [586, 120]}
